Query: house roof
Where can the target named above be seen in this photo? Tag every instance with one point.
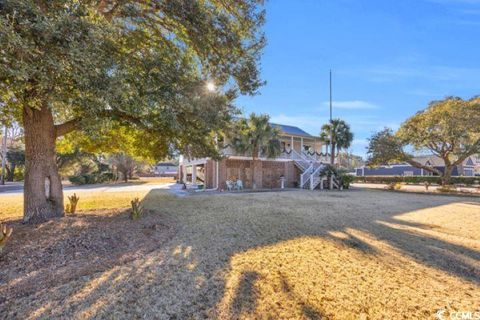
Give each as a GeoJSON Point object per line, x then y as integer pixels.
{"type": "Point", "coordinates": [296, 131]}
{"type": "Point", "coordinates": [434, 161]}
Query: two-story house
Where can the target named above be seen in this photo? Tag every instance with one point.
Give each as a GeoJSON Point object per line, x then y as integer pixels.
{"type": "Point", "coordinates": [299, 162]}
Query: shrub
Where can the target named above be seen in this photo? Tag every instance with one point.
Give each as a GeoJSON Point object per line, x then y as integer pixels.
{"type": "Point", "coordinates": [72, 206]}
{"type": "Point", "coordinates": [5, 234]}
{"type": "Point", "coordinates": [393, 186]}
{"type": "Point", "coordinates": [344, 178]}
{"type": "Point", "coordinates": [77, 179]}
{"type": "Point", "coordinates": [426, 184]}
{"type": "Point", "coordinates": [137, 209]}
{"type": "Point", "coordinates": [390, 186]}
{"type": "Point", "coordinates": [327, 170]}
{"type": "Point", "coordinates": [91, 178]}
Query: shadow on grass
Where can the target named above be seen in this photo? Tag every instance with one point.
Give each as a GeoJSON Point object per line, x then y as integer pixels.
{"type": "Point", "coordinates": [178, 269]}
{"type": "Point", "coordinates": [245, 299]}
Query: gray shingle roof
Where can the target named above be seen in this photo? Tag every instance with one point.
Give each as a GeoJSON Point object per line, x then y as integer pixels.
{"type": "Point", "coordinates": [436, 161]}
{"type": "Point", "coordinates": [291, 130]}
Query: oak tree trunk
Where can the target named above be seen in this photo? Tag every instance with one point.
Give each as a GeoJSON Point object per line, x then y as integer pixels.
{"type": "Point", "coordinates": [447, 174]}
{"type": "Point", "coordinates": [43, 194]}
{"type": "Point", "coordinates": [11, 172]}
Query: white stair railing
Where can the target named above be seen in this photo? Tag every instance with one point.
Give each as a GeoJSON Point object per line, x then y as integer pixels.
{"type": "Point", "coordinates": [305, 176]}
{"type": "Point", "coordinates": [300, 161]}
{"type": "Point", "coordinates": [294, 155]}
{"type": "Point", "coordinates": [308, 156]}
{"type": "Point", "coordinates": [315, 177]}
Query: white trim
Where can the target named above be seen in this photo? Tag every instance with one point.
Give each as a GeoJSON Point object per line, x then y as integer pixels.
{"type": "Point", "coordinates": [284, 134]}
{"type": "Point", "coordinates": [262, 158]}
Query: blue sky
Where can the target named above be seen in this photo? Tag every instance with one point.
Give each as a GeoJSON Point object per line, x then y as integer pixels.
{"type": "Point", "coordinates": [389, 59]}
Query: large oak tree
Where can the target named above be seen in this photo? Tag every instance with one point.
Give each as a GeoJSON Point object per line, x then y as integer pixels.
{"type": "Point", "coordinates": [449, 129]}
{"type": "Point", "coordinates": [94, 65]}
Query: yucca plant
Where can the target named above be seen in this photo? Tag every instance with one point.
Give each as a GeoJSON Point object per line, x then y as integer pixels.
{"type": "Point", "coordinates": [137, 209]}
{"type": "Point", "coordinates": [5, 234]}
{"type": "Point", "coordinates": [72, 206]}
{"type": "Point", "coordinates": [426, 184]}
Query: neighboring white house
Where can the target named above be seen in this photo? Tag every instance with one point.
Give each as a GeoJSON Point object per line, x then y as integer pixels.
{"type": "Point", "coordinates": [166, 169]}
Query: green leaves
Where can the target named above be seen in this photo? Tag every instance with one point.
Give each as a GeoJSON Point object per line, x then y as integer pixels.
{"type": "Point", "coordinates": [341, 135]}
{"type": "Point", "coordinates": [140, 64]}
{"type": "Point", "coordinates": [384, 148]}
{"type": "Point", "coordinates": [449, 129]}
{"type": "Point", "coordinates": [255, 137]}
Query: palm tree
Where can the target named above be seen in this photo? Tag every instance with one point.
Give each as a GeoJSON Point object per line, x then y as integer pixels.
{"type": "Point", "coordinates": [342, 137]}
{"type": "Point", "coordinates": [255, 136]}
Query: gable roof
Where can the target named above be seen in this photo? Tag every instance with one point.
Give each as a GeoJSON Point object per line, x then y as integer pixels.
{"type": "Point", "coordinates": [469, 162]}
{"type": "Point", "coordinates": [434, 161]}
{"type": "Point", "coordinates": [296, 131]}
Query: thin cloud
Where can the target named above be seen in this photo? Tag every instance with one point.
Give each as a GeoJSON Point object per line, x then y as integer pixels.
{"type": "Point", "coordinates": [351, 105]}
{"type": "Point", "coordinates": [434, 73]}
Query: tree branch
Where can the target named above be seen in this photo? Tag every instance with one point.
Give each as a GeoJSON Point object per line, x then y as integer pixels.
{"type": "Point", "coordinates": [421, 166]}
{"type": "Point", "coordinates": [66, 127]}
{"type": "Point", "coordinates": [472, 150]}
{"type": "Point", "coordinates": [72, 125]}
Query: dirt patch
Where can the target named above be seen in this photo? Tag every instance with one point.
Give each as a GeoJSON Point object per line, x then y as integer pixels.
{"type": "Point", "coordinates": [65, 249]}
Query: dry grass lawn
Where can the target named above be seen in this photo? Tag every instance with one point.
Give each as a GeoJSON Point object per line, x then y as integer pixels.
{"type": "Point", "coordinates": [287, 255]}
{"type": "Point", "coordinates": [11, 205]}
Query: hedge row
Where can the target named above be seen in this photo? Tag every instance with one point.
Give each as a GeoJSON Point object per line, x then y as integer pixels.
{"type": "Point", "coordinates": [417, 179]}
{"type": "Point", "coordinates": [91, 178]}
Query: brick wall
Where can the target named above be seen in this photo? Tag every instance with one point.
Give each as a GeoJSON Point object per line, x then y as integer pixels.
{"type": "Point", "coordinates": [267, 173]}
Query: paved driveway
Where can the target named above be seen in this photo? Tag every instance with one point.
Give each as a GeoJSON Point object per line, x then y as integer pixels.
{"type": "Point", "coordinates": [17, 187]}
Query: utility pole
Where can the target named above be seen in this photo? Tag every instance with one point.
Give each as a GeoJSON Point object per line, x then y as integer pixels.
{"type": "Point", "coordinates": [4, 155]}
{"type": "Point", "coordinates": [331, 126]}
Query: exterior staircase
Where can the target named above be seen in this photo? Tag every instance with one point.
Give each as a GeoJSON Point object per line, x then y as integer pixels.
{"type": "Point", "coordinates": [313, 172]}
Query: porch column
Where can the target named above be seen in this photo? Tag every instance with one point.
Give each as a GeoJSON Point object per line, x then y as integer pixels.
{"type": "Point", "coordinates": [194, 175]}
{"type": "Point", "coordinates": [291, 143]}
{"type": "Point", "coordinates": [184, 173]}
{"type": "Point", "coordinates": [301, 145]}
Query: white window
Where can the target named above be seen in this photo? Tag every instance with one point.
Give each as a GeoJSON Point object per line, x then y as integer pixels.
{"type": "Point", "coordinates": [408, 173]}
